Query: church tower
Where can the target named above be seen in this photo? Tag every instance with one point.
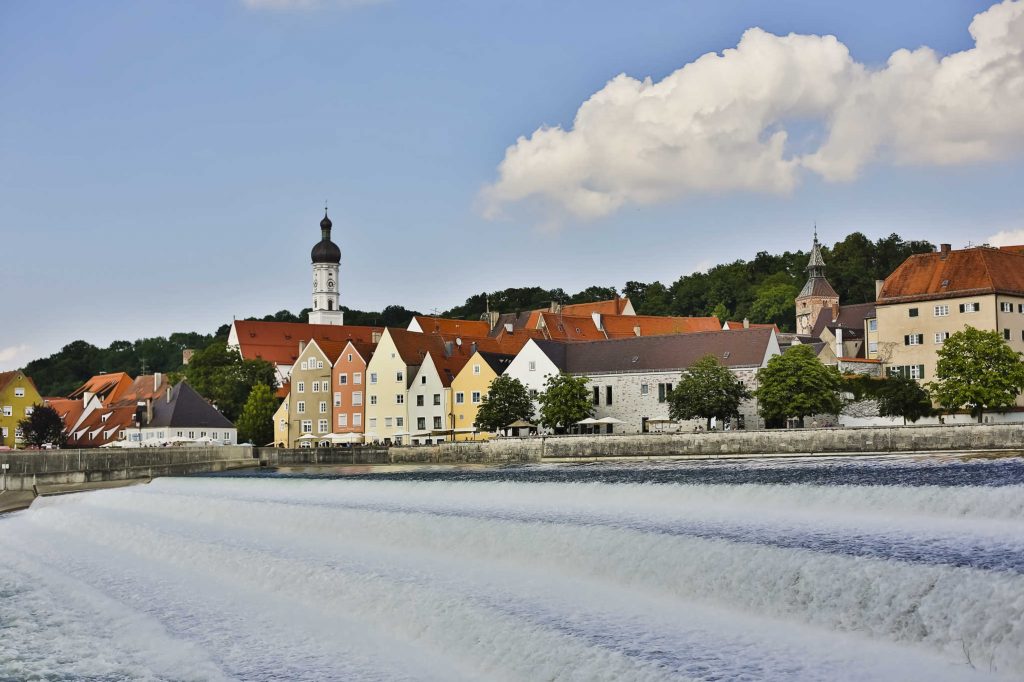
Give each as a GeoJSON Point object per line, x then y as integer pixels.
{"type": "Point", "coordinates": [326, 257]}
{"type": "Point", "coordinates": [817, 294]}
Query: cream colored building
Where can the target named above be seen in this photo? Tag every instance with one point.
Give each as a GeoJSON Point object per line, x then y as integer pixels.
{"type": "Point", "coordinates": [933, 295]}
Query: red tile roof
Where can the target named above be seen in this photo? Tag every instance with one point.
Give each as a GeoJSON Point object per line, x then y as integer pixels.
{"type": "Point", "coordinates": [621, 326]}
{"type": "Point", "coordinates": [442, 325]}
{"type": "Point", "coordinates": [69, 409]}
{"type": "Point", "coordinates": [562, 327]}
{"type": "Point", "coordinates": [967, 272]}
{"type": "Point", "coordinates": [278, 342]}
{"type": "Point", "coordinates": [109, 387]}
{"type": "Point", "coordinates": [615, 306]}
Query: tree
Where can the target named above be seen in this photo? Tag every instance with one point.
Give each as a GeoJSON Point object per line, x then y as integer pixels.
{"type": "Point", "coordinates": [796, 384]}
{"type": "Point", "coordinates": [707, 389]}
{"type": "Point", "coordinates": [507, 401]}
{"type": "Point", "coordinates": [901, 396]}
{"type": "Point", "coordinates": [220, 374]}
{"type": "Point", "coordinates": [256, 423]}
{"type": "Point", "coordinates": [565, 401]}
{"type": "Point", "coordinates": [978, 370]}
{"type": "Point", "coordinates": [721, 312]}
{"type": "Point", "coordinates": [44, 426]}
{"type": "Point", "coordinates": [774, 305]}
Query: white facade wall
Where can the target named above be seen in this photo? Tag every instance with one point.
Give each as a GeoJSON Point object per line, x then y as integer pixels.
{"type": "Point", "coordinates": [531, 366]}
{"type": "Point", "coordinates": [427, 387]}
{"type": "Point", "coordinates": [155, 436]}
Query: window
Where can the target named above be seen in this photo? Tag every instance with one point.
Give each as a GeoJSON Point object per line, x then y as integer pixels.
{"type": "Point", "coordinates": [645, 389]}
{"type": "Point", "coordinates": [307, 426]}
{"type": "Point", "coordinates": [476, 397]}
{"type": "Point", "coordinates": [421, 423]}
{"type": "Point", "coordinates": [419, 401]}
{"type": "Point", "coordinates": [533, 366]}
{"type": "Point", "coordinates": [357, 377]}
{"type": "Point", "coordinates": [1006, 335]}
{"type": "Point", "coordinates": [316, 387]}
{"type": "Point", "coordinates": [342, 379]}
{"type": "Point", "coordinates": [913, 339]}
{"type": "Point", "coordinates": [460, 398]}
{"type": "Point", "coordinates": [910, 371]}
{"type": "Point", "coordinates": [300, 407]}
{"type": "Point", "coordinates": [8, 411]}
{"type": "Point", "coordinates": [357, 398]}
{"type": "Point", "coordinates": [324, 426]}
{"type": "Point", "coordinates": [970, 307]}
{"type": "Point", "coordinates": [357, 419]}
{"type": "Point", "coordinates": [437, 398]}
{"type": "Point", "coordinates": [304, 364]}
{"type": "Point", "coordinates": [940, 337]}
{"type": "Point", "coordinates": [597, 396]}
{"type": "Point", "coordinates": [423, 379]}
{"type": "Point", "coordinates": [373, 377]}
{"type": "Point", "coordinates": [400, 376]}
{"type": "Point", "coordinates": [323, 407]}
{"type": "Point", "coordinates": [873, 347]}
{"type": "Point", "coordinates": [29, 410]}
{"type": "Point", "coordinates": [337, 399]}
{"type": "Point", "coordinates": [607, 395]}
{"type": "Point", "coordinates": [912, 312]}
{"type": "Point", "coordinates": [373, 400]}
{"type": "Point", "coordinates": [663, 392]}
{"type": "Point", "coordinates": [533, 393]}
{"type": "Point", "coordinates": [283, 424]}
{"type": "Point", "coordinates": [872, 325]}
{"type": "Point", "coordinates": [476, 369]}
{"type": "Point", "coordinates": [342, 419]}
{"type": "Point", "coordinates": [319, 364]}
{"type": "Point", "coordinates": [387, 422]}
{"type": "Point", "coordinates": [437, 423]}
{"type": "Point", "coordinates": [399, 399]}
{"type": "Point", "coordinates": [941, 310]}
{"type": "Point", "coordinates": [19, 393]}
{"type": "Point", "coordinates": [1020, 307]}
{"type": "Point", "coordinates": [399, 422]}
{"type": "Point", "coordinates": [373, 422]}
{"type": "Point", "coordinates": [301, 387]}
{"type": "Point", "coordinates": [1006, 307]}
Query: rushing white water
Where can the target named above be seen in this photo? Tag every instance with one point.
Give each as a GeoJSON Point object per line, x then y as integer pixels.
{"type": "Point", "coordinates": [273, 579]}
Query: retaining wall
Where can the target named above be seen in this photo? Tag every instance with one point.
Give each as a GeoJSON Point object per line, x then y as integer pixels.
{"type": "Point", "coordinates": [57, 467]}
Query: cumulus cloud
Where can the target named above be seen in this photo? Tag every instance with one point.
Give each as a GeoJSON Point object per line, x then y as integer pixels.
{"type": "Point", "coordinates": [1006, 238]}
{"type": "Point", "coordinates": [11, 353]}
{"type": "Point", "coordinates": [738, 121]}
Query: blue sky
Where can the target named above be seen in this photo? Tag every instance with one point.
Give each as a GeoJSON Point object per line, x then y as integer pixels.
{"type": "Point", "coordinates": [163, 165]}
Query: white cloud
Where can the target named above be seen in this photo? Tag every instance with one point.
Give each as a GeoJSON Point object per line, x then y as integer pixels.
{"type": "Point", "coordinates": [11, 353]}
{"type": "Point", "coordinates": [304, 4]}
{"type": "Point", "coordinates": [723, 122]}
{"type": "Point", "coordinates": [1006, 238]}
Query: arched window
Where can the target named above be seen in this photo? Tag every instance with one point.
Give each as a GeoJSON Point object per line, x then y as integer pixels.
{"type": "Point", "coordinates": [330, 304]}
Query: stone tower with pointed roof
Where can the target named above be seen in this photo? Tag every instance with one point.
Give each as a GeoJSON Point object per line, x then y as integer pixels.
{"type": "Point", "coordinates": [817, 293]}
{"type": "Point", "coordinates": [326, 257]}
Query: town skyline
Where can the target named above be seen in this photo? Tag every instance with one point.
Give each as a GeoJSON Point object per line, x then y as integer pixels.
{"type": "Point", "coordinates": [223, 203]}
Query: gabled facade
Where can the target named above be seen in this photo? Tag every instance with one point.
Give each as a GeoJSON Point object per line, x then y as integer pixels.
{"type": "Point", "coordinates": [469, 388]}
{"type": "Point", "coordinates": [538, 360]}
{"type": "Point", "coordinates": [18, 398]}
{"type": "Point", "coordinates": [429, 400]}
{"type": "Point", "coordinates": [349, 384]}
{"type": "Point", "coordinates": [388, 374]}
{"type": "Point", "coordinates": [310, 399]}
{"type": "Point", "coordinates": [181, 415]}
{"type": "Point", "coordinates": [281, 425]}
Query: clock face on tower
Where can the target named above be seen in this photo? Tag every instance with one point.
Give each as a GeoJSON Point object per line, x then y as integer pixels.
{"type": "Point", "coordinates": [330, 284]}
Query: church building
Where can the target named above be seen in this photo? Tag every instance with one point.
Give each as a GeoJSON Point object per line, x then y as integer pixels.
{"type": "Point", "coordinates": [326, 257]}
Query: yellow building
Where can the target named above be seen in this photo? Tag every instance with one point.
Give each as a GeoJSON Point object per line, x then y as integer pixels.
{"type": "Point", "coordinates": [469, 388]}
{"type": "Point", "coordinates": [18, 397]}
{"type": "Point", "coordinates": [281, 425]}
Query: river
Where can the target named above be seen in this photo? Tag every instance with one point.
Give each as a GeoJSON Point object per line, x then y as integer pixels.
{"type": "Point", "coordinates": [827, 569]}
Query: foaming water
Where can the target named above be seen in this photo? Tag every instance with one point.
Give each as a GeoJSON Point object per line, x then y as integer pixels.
{"type": "Point", "coordinates": [592, 573]}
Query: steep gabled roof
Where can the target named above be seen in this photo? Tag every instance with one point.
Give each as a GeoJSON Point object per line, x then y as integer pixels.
{"type": "Point", "coordinates": [562, 327]}
{"type": "Point", "coordinates": [732, 348]}
{"type": "Point", "coordinates": [6, 378]}
{"type": "Point", "coordinates": [278, 342]}
{"type": "Point", "coordinates": [363, 348]}
{"type": "Point", "coordinates": [108, 387]}
{"type": "Point", "coordinates": [186, 409]}
{"type": "Point", "coordinates": [615, 306]}
{"type": "Point", "coordinates": [967, 272]}
{"type": "Point", "coordinates": [102, 426]}
{"type": "Point", "coordinates": [498, 362]}
{"type": "Point", "coordinates": [555, 350]}
{"type": "Point", "coordinates": [850, 319]}
{"type": "Point", "coordinates": [412, 347]}
{"type": "Point", "coordinates": [145, 387]}
{"type": "Point", "coordinates": [451, 327]}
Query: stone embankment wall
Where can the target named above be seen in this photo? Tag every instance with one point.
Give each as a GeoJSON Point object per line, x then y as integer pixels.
{"type": "Point", "coordinates": [62, 467]}
{"type": "Point", "coordinates": [321, 456]}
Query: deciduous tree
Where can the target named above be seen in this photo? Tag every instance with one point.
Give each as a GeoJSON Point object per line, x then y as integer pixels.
{"type": "Point", "coordinates": [978, 370]}
{"type": "Point", "coordinates": [901, 396]}
{"type": "Point", "coordinates": [507, 401]}
{"type": "Point", "coordinates": [220, 374]}
{"type": "Point", "coordinates": [43, 427]}
{"type": "Point", "coordinates": [565, 401]}
{"type": "Point", "coordinates": [796, 384]}
{"type": "Point", "coordinates": [707, 389]}
{"type": "Point", "coordinates": [256, 423]}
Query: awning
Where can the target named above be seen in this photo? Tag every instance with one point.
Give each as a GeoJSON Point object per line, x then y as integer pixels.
{"type": "Point", "coordinates": [308, 436]}
{"type": "Point", "coordinates": [608, 420]}
{"type": "Point", "coordinates": [588, 421]}
{"type": "Point", "coordinates": [521, 424]}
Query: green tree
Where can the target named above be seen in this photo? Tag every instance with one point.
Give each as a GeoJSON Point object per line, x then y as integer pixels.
{"type": "Point", "coordinates": [565, 401]}
{"type": "Point", "coordinates": [978, 370]}
{"type": "Point", "coordinates": [507, 401]}
{"type": "Point", "coordinates": [901, 396]}
{"type": "Point", "coordinates": [222, 376]}
{"type": "Point", "coordinates": [796, 384]}
{"type": "Point", "coordinates": [707, 389]}
{"type": "Point", "coordinates": [43, 426]}
{"type": "Point", "coordinates": [774, 305]}
{"type": "Point", "coordinates": [721, 312]}
{"type": "Point", "coordinates": [256, 423]}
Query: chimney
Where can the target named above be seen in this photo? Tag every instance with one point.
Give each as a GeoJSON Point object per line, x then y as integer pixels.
{"type": "Point", "coordinates": [472, 348]}
{"type": "Point", "coordinates": [140, 413]}
{"type": "Point", "coordinates": [169, 394]}
{"type": "Point", "coordinates": [878, 287]}
{"type": "Point", "coordinates": [596, 317]}
{"type": "Point", "coordinates": [149, 411]}
{"type": "Point", "coordinates": [186, 355]}
{"type": "Point", "coordinates": [943, 251]}
{"type": "Point", "coordinates": [375, 337]}
{"type": "Point", "coordinates": [835, 312]}
{"type": "Point", "coordinates": [746, 323]}
{"type": "Point", "coordinates": [839, 342]}
{"type": "Point", "coordinates": [157, 377]}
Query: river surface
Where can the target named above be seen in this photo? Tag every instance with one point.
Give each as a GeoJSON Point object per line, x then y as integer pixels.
{"type": "Point", "coordinates": [826, 569]}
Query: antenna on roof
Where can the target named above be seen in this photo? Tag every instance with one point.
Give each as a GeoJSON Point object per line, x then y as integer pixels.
{"type": "Point", "coordinates": [815, 230]}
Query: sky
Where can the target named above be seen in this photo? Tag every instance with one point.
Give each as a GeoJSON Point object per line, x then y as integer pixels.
{"type": "Point", "coordinates": [164, 165]}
